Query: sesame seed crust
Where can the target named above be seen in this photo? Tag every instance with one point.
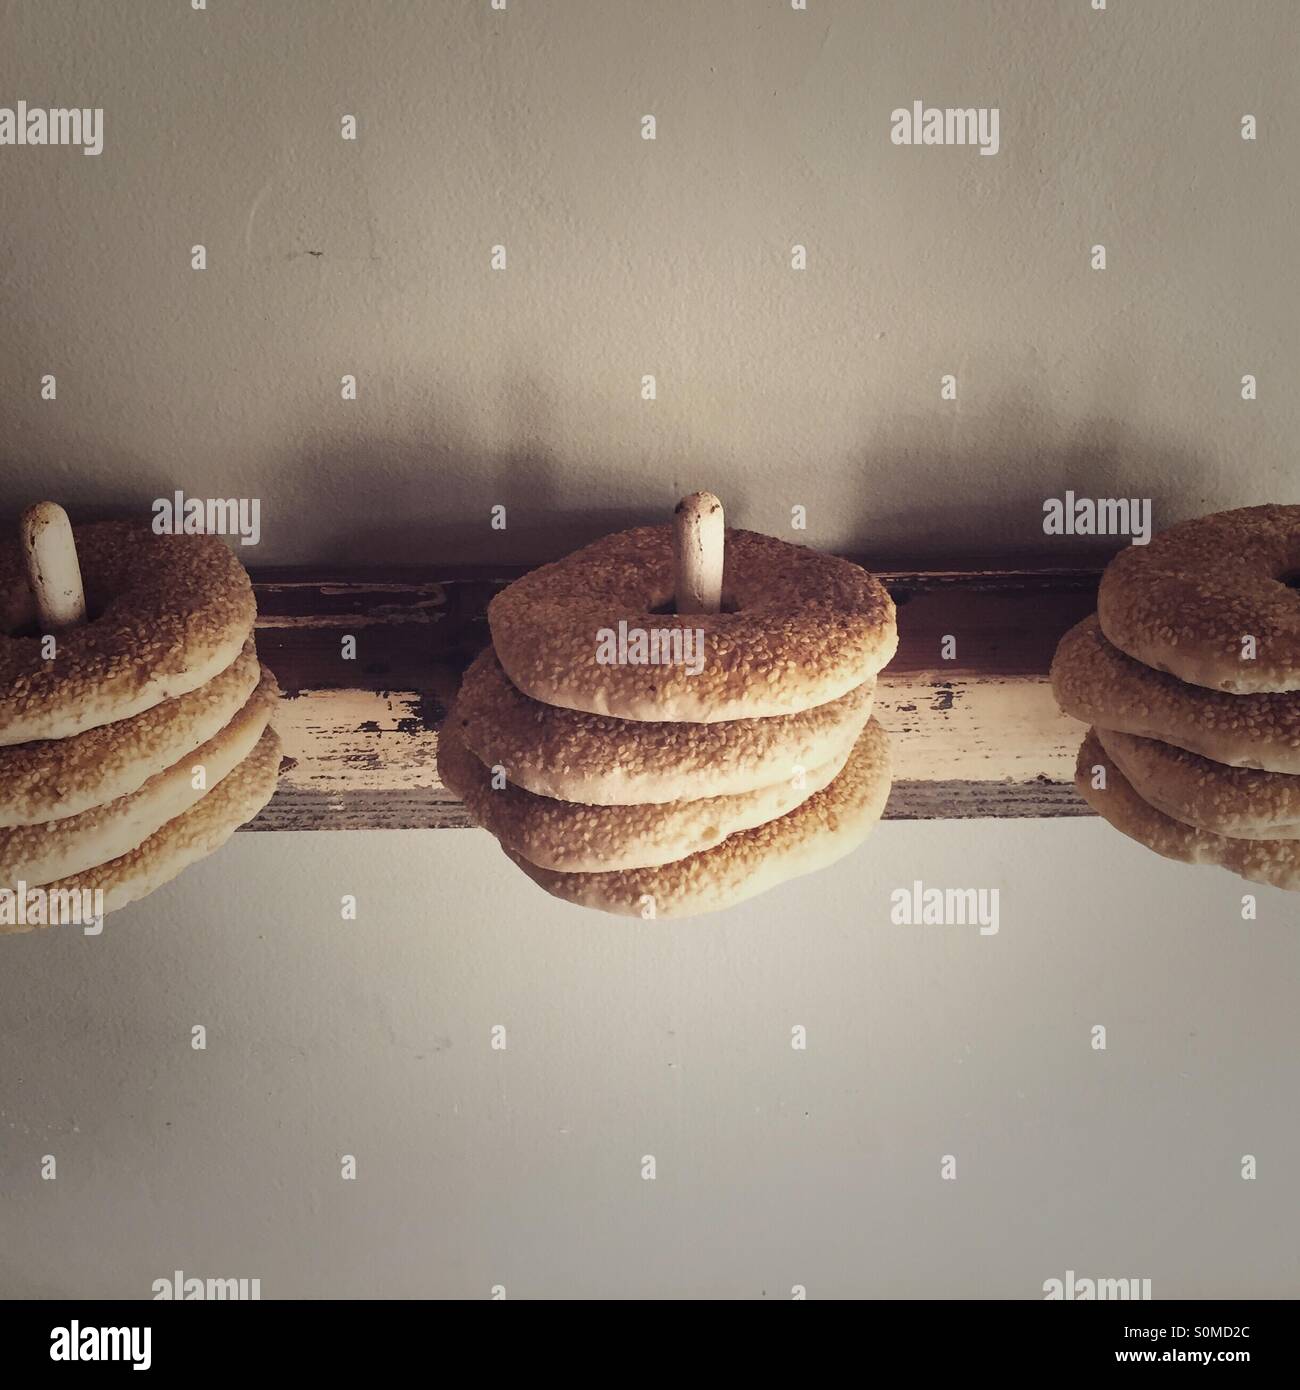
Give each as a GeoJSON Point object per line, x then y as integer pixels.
{"type": "Point", "coordinates": [817, 832]}
{"type": "Point", "coordinates": [199, 832]}
{"type": "Point", "coordinates": [1239, 802]}
{"type": "Point", "coordinates": [1275, 862]}
{"type": "Point", "coordinates": [54, 778]}
{"type": "Point", "coordinates": [575, 838]}
{"type": "Point", "coordinates": [807, 629]}
{"type": "Point", "coordinates": [37, 854]}
{"type": "Point", "coordinates": [168, 614]}
{"type": "Point", "coordinates": [1185, 602]}
{"type": "Point", "coordinates": [601, 760]}
{"type": "Point", "coordinates": [1097, 683]}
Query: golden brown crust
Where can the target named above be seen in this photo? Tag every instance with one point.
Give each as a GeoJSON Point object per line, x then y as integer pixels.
{"type": "Point", "coordinates": [168, 614]}
{"type": "Point", "coordinates": [54, 778]}
{"type": "Point", "coordinates": [1239, 802]}
{"type": "Point", "coordinates": [604, 761]}
{"type": "Point", "coordinates": [1184, 603]}
{"type": "Point", "coordinates": [573, 838]}
{"type": "Point", "coordinates": [816, 833]}
{"type": "Point", "coordinates": [202, 830]}
{"type": "Point", "coordinates": [37, 854]}
{"type": "Point", "coordinates": [1097, 683]}
{"type": "Point", "coordinates": [1276, 862]}
{"type": "Point", "coordinates": [808, 629]}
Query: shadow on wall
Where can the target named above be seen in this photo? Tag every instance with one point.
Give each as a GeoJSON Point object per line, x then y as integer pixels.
{"type": "Point", "coordinates": [912, 489]}
{"type": "Point", "coordinates": [439, 500]}
{"type": "Point", "coordinates": [88, 496]}
{"type": "Point", "coordinates": [413, 503]}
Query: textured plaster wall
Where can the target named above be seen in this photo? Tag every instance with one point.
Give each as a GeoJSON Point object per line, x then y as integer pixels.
{"type": "Point", "coordinates": [670, 257]}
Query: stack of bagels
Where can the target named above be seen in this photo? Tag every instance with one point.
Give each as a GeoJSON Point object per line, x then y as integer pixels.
{"type": "Point", "coordinates": [744, 756]}
{"type": "Point", "coordinates": [1189, 674]}
{"type": "Point", "coordinates": [134, 713]}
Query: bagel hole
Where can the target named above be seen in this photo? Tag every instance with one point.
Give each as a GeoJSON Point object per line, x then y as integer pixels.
{"type": "Point", "coordinates": [669, 606]}
{"type": "Point", "coordinates": [1291, 580]}
{"type": "Point", "coordinates": [35, 628]}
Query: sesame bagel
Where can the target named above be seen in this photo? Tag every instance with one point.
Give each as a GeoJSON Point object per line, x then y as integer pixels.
{"type": "Point", "coordinates": [36, 854]}
{"type": "Point", "coordinates": [1188, 602]}
{"type": "Point", "coordinates": [1239, 802]}
{"type": "Point", "coordinates": [798, 629]}
{"type": "Point", "coordinates": [603, 761]}
{"type": "Point", "coordinates": [199, 832]}
{"type": "Point", "coordinates": [1275, 862]}
{"type": "Point", "coordinates": [573, 838]}
{"type": "Point", "coordinates": [54, 778]}
{"type": "Point", "coordinates": [816, 833]}
{"type": "Point", "coordinates": [167, 614]}
{"type": "Point", "coordinates": [1097, 683]}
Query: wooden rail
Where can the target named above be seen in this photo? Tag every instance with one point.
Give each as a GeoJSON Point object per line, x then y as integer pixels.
{"type": "Point", "coordinates": [976, 735]}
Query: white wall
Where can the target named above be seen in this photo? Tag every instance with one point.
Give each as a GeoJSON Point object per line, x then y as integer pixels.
{"type": "Point", "coordinates": [628, 257]}
{"type": "Point", "coordinates": [775, 1167]}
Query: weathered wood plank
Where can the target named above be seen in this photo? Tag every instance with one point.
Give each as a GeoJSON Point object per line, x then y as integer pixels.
{"type": "Point", "coordinates": [976, 735]}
